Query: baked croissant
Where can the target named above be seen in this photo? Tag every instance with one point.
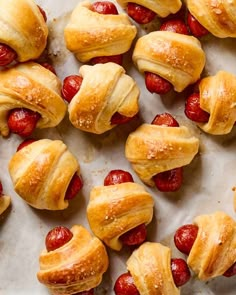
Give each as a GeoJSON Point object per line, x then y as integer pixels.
{"type": "Point", "coordinates": [90, 34]}
{"type": "Point", "coordinates": [214, 250]}
{"type": "Point", "coordinates": [33, 87]}
{"type": "Point", "coordinates": [5, 201]}
{"type": "Point", "coordinates": [150, 267]}
{"type": "Point", "coordinates": [115, 209]}
{"type": "Point", "coordinates": [41, 173]}
{"type": "Point", "coordinates": [217, 16]}
{"type": "Point", "coordinates": [105, 90]}
{"type": "Point", "coordinates": [175, 57]}
{"type": "Point", "coordinates": [218, 98]}
{"type": "Point", "coordinates": [75, 267]}
{"type": "Point", "coordinates": [152, 149]}
{"type": "Point", "coordinates": [23, 28]}
{"type": "Point", "coordinates": [161, 8]}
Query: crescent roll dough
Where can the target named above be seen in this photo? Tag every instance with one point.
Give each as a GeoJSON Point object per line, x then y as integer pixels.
{"type": "Point", "coordinates": [5, 202]}
{"type": "Point", "coordinates": [105, 90]}
{"type": "Point", "coordinates": [150, 267]}
{"type": "Point", "coordinates": [41, 173]}
{"type": "Point", "coordinates": [115, 209]}
{"type": "Point", "coordinates": [22, 27]}
{"type": "Point", "coordinates": [152, 149]}
{"type": "Point", "coordinates": [33, 87]}
{"type": "Point", "coordinates": [75, 267]}
{"type": "Point", "coordinates": [161, 8]}
{"type": "Point", "coordinates": [218, 98]}
{"type": "Point", "coordinates": [217, 16]}
{"type": "Point", "coordinates": [214, 250]}
{"type": "Point", "coordinates": [90, 34]}
{"type": "Point", "coordinates": [175, 57]}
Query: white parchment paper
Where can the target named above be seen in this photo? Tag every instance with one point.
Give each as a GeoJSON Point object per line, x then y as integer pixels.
{"type": "Point", "coordinates": [207, 186]}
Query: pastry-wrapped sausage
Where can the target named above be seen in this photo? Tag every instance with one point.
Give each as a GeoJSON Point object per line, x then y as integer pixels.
{"type": "Point", "coordinates": [90, 34]}
{"type": "Point", "coordinates": [41, 173]}
{"type": "Point", "coordinates": [76, 266]}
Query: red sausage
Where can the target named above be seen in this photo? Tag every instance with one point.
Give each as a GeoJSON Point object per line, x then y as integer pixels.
{"type": "Point", "coordinates": [135, 236]}
{"type": "Point", "coordinates": [180, 271]}
{"type": "Point", "coordinates": [193, 110]}
{"type": "Point", "coordinates": [185, 237]}
{"type": "Point", "coordinates": [140, 14]}
{"type": "Point", "coordinates": [90, 292]}
{"type": "Point", "coordinates": [57, 237]}
{"type": "Point", "coordinates": [118, 119]}
{"type": "Point", "coordinates": [195, 27]}
{"type": "Point", "coordinates": [74, 187]}
{"type": "Point", "coordinates": [176, 26]}
{"type": "Point", "coordinates": [105, 7]}
{"type": "Point", "coordinates": [1, 189]}
{"type": "Point", "coordinates": [7, 55]}
{"type": "Point", "coordinates": [71, 85]}
{"type": "Point", "coordinates": [117, 176]}
{"type": "Point", "coordinates": [49, 67]}
{"type": "Point", "coordinates": [231, 271]}
{"type": "Point", "coordinates": [22, 121]}
{"type": "Point", "coordinates": [25, 143]}
{"type": "Point", "coordinates": [43, 13]}
{"type": "Point", "coordinates": [118, 59]}
{"type": "Point", "coordinates": [171, 180]}
{"type": "Point", "coordinates": [157, 84]}
{"type": "Point", "coordinates": [124, 285]}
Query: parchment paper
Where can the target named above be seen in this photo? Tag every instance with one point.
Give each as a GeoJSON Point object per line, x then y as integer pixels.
{"type": "Point", "coordinates": [207, 186]}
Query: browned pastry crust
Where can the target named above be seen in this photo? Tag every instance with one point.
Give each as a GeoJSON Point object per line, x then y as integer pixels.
{"type": "Point", "coordinates": [150, 267]}
{"type": "Point", "coordinates": [214, 250]}
{"type": "Point", "coordinates": [41, 173]}
{"type": "Point", "coordinates": [105, 90]}
{"type": "Point", "coordinates": [90, 34]}
{"type": "Point", "coordinates": [75, 267]}
{"type": "Point", "coordinates": [177, 58]}
{"type": "Point", "coordinates": [160, 7]}
{"type": "Point", "coordinates": [22, 27]}
{"type": "Point", "coordinates": [218, 98]}
{"type": "Point", "coordinates": [152, 149]}
{"type": "Point", "coordinates": [5, 202]}
{"type": "Point", "coordinates": [115, 209]}
{"type": "Point", "coordinates": [217, 16]}
{"type": "Point", "coordinates": [31, 86]}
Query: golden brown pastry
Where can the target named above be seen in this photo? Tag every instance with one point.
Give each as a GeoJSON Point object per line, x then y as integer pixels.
{"type": "Point", "coordinates": [31, 86]}
{"type": "Point", "coordinates": [41, 173]}
{"type": "Point", "coordinates": [105, 90]}
{"type": "Point", "coordinates": [152, 149]}
{"type": "Point", "coordinates": [161, 8]}
{"type": "Point", "coordinates": [5, 201]}
{"type": "Point", "coordinates": [217, 16]}
{"type": "Point", "coordinates": [23, 28]}
{"type": "Point", "coordinates": [90, 34]}
{"type": "Point", "coordinates": [75, 267]}
{"type": "Point", "coordinates": [150, 267]}
{"type": "Point", "coordinates": [115, 209]}
{"type": "Point", "coordinates": [175, 57]}
{"type": "Point", "coordinates": [214, 250]}
{"type": "Point", "coordinates": [218, 98]}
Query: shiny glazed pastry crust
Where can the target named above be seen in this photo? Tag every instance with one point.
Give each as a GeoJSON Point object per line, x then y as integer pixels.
{"type": "Point", "coordinates": [152, 149]}
{"type": "Point", "coordinates": [22, 27]}
{"type": "Point", "coordinates": [218, 98]}
{"type": "Point", "coordinates": [75, 267]}
{"type": "Point", "coordinates": [150, 267]}
{"type": "Point", "coordinates": [214, 250]}
{"type": "Point", "coordinates": [175, 57]}
{"type": "Point", "coordinates": [115, 209]}
{"type": "Point", "coordinates": [5, 202]}
{"type": "Point", "coordinates": [31, 86]}
{"type": "Point", "coordinates": [41, 173]}
{"type": "Point", "coordinates": [90, 34]}
{"type": "Point", "coordinates": [160, 7]}
{"type": "Point", "coordinates": [217, 16]}
{"type": "Point", "coordinates": [105, 90]}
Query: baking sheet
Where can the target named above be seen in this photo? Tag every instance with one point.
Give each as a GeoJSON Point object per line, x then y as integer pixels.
{"type": "Point", "coordinates": [207, 187]}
